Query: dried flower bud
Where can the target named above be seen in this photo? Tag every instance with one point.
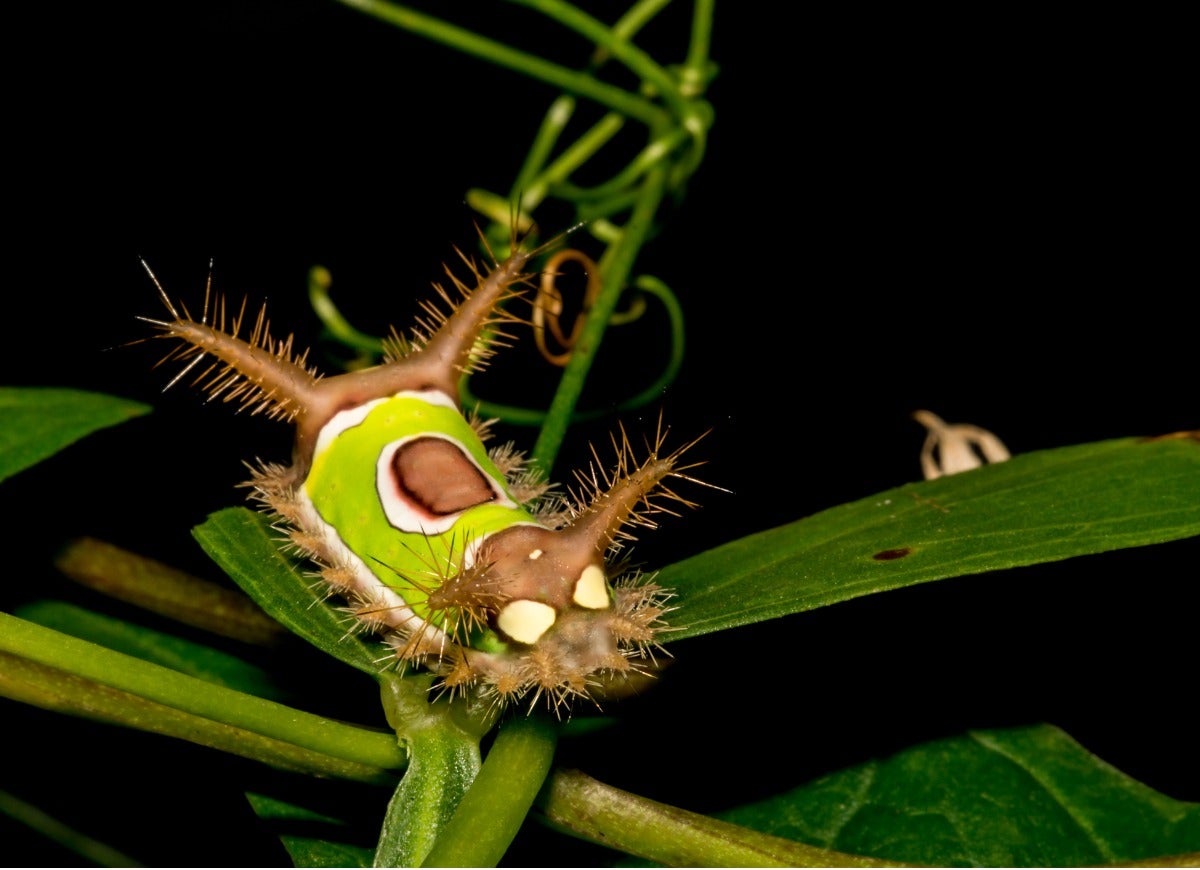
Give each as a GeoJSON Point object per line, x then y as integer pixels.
{"type": "Point", "coordinates": [950, 449]}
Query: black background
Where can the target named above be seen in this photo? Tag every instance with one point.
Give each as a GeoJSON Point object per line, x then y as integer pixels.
{"type": "Point", "coordinates": [981, 215]}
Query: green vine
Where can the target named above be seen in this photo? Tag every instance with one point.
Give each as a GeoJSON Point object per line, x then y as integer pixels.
{"type": "Point", "coordinates": [667, 104]}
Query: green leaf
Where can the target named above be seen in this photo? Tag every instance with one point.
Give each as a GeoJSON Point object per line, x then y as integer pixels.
{"type": "Point", "coordinates": [92, 851]}
{"type": "Point", "coordinates": [306, 849]}
{"type": "Point", "coordinates": [1038, 507]}
{"type": "Point", "coordinates": [40, 421]}
{"type": "Point", "coordinates": [190, 658]}
{"type": "Point", "coordinates": [311, 852]}
{"type": "Point", "coordinates": [247, 549]}
{"type": "Point", "coordinates": [442, 763]}
{"type": "Point", "coordinates": [1020, 797]}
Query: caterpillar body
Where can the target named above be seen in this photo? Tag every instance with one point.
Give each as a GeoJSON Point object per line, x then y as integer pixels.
{"type": "Point", "coordinates": [448, 550]}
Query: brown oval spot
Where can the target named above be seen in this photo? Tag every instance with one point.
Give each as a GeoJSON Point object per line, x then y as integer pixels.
{"type": "Point", "coordinates": [888, 555]}
{"type": "Point", "coordinates": [439, 477]}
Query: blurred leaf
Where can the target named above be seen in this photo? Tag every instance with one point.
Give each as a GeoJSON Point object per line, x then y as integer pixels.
{"type": "Point", "coordinates": [40, 421]}
{"type": "Point", "coordinates": [1020, 797]}
{"type": "Point", "coordinates": [243, 543]}
{"type": "Point", "coordinates": [300, 827]}
{"type": "Point", "coordinates": [87, 848]}
{"type": "Point", "coordinates": [194, 659]}
{"type": "Point", "coordinates": [1038, 507]}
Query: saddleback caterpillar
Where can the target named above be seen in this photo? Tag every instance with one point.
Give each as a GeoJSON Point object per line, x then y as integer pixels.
{"type": "Point", "coordinates": [452, 552]}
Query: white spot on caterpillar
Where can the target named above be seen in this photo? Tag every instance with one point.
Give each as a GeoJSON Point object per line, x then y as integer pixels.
{"type": "Point", "coordinates": [591, 590]}
{"type": "Point", "coordinates": [351, 417]}
{"type": "Point", "coordinates": [535, 555]}
{"type": "Point", "coordinates": [526, 621]}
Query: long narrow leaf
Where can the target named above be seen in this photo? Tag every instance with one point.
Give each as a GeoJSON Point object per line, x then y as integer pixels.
{"type": "Point", "coordinates": [1039, 507]}
{"type": "Point", "coordinates": [40, 421]}
{"type": "Point", "coordinates": [309, 837]}
{"type": "Point", "coordinates": [246, 547]}
{"type": "Point", "coordinates": [193, 659]}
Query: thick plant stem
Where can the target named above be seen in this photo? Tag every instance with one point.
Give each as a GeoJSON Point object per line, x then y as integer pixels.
{"type": "Point", "coordinates": [177, 694]}
{"type": "Point", "coordinates": [668, 835]}
{"type": "Point", "coordinates": [493, 809]}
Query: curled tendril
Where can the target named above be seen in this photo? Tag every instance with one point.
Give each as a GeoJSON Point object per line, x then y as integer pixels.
{"type": "Point", "coordinates": [547, 309]}
{"type": "Point", "coordinates": [649, 287]}
{"type": "Point", "coordinates": [548, 306]}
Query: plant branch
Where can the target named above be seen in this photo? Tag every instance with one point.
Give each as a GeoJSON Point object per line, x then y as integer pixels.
{"type": "Point", "coordinates": [668, 835]}
{"type": "Point", "coordinates": [84, 661]}
{"type": "Point", "coordinates": [471, 43]}
{"type": "Point", "coordinates": [55, 689]}
{"type": "Point", "coordinates": [492, 810]}
{"type": "Point", "coordinates": [638, 62]}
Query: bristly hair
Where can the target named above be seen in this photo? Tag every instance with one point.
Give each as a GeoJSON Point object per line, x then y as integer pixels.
{"type": "Point", "coordinates": [628, 492]}
{"type": "Point", "coordinates": [435, 314]}
{"type": "Point", "coordinates": [236, 370]}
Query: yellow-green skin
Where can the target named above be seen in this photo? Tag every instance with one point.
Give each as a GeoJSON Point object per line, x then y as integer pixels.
{"type": "Point", "coordinates": [343, 487]}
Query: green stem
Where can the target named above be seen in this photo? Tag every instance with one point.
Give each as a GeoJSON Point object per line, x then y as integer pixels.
{"type": "Point", "coordinates": [467, 42]}
{"type": "Point", "coordinates": [172, 689]}
{"type": "Point", "coordinates": [530, 190]}
{"type": "Point", "coordinates": [578, 153]}
{"type": "Point", "coordinates": [658, 150]}
{"type": "Point", "coordinates": [668, 835]}
{"type": "Point", "coordinates": [694, 76]}
{"type": "Point", "coordinates": [615, 268]}
{"type": "Point", "coordinates": [636, 17]}
{"type": "Point", "coordinates": [319, 282]}
{"type": "Point", "coordinates": [53, 689]}
{"type": "Point", "coordinates": [496, 804]}
{"type": "Point", "coordinates": [591, 212]}
{"type": "Point", "coordinates": [640, 63]}
{"type": "Point", "coordinates": [554, 122]}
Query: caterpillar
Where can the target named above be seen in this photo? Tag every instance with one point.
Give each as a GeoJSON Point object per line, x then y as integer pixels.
{"type": "Point", "coordinates": [455, 554]}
